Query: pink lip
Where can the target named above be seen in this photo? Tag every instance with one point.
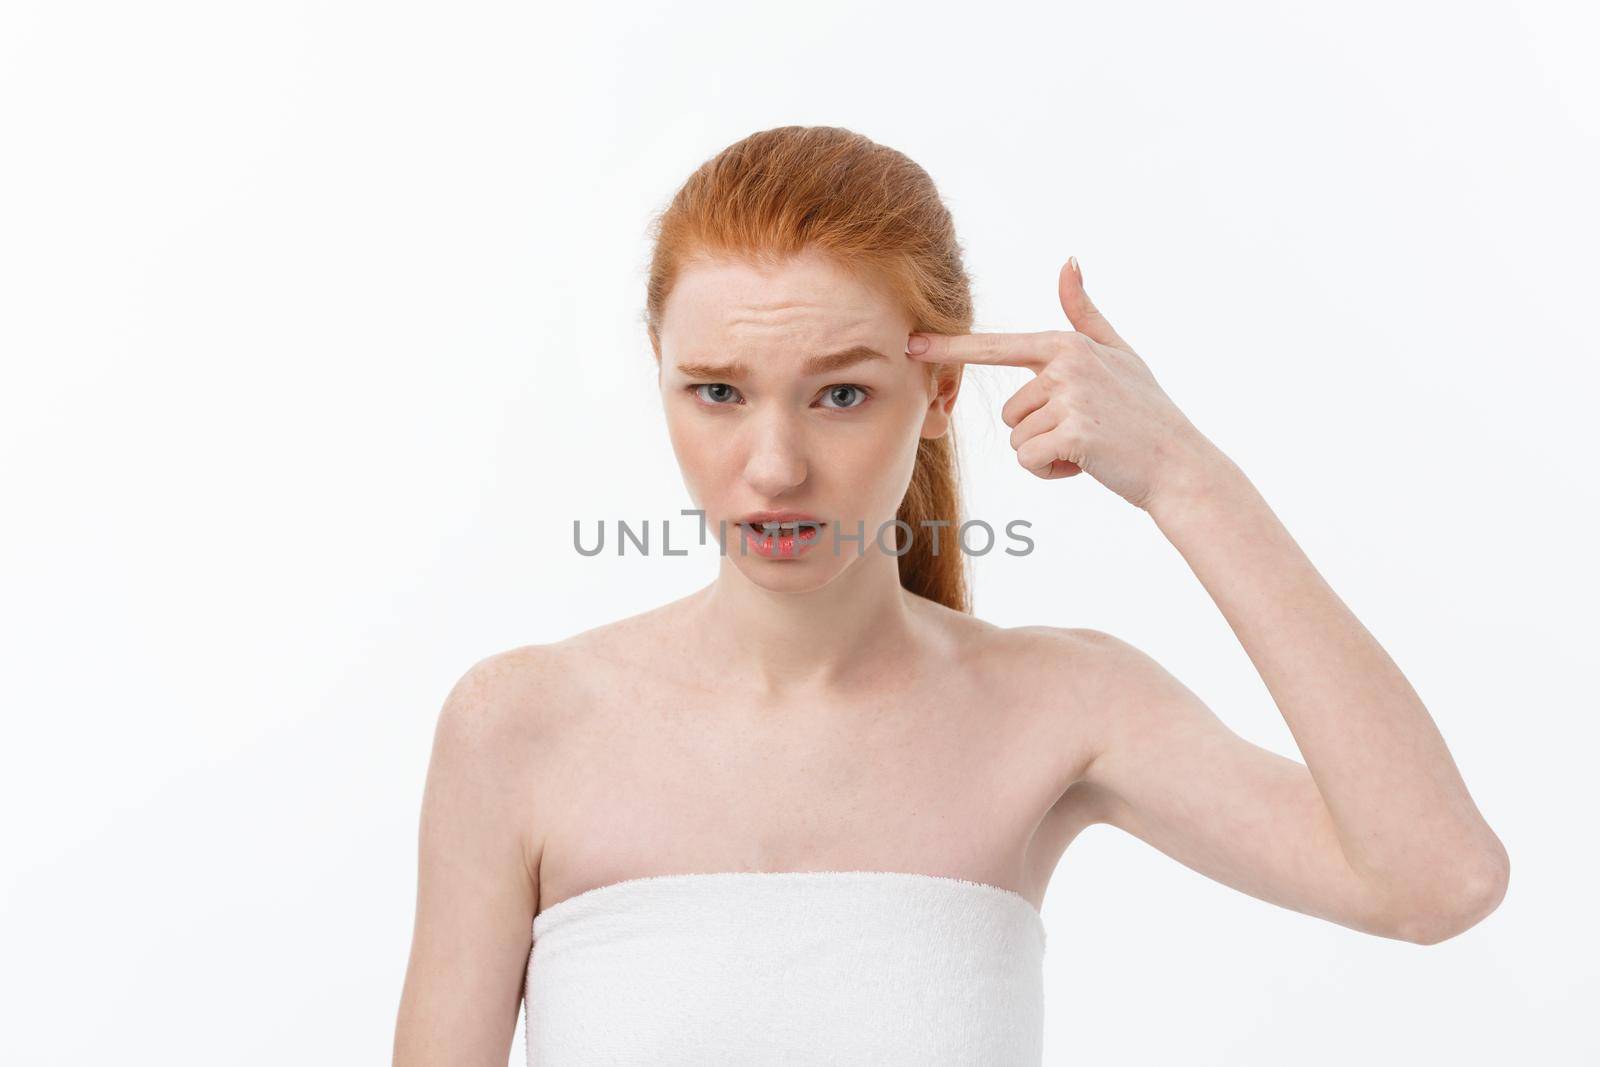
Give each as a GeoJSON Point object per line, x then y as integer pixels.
{"type": "Point", "coordinates": [778, 546]}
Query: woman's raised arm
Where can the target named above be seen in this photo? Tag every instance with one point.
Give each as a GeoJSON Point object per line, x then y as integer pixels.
{"type": "Point", "coordinates": [1377, 830]}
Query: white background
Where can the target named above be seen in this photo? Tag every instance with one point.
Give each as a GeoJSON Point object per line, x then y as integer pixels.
{"type": "Point", "coordinates": [321, 325]}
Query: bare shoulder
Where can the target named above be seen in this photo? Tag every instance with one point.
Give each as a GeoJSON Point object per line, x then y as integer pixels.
{"type": "Point", "coordinates": [496, 723]}
{"type": "Point", "coordinates": [505, 715]}
{"type": "Point", "coordinates": [1091, 688]}
{"type": "Point", "coordinates": [533, 694]}
{"type": "Point", "coordinates": [1124, 699]}
{"type": "Point", "coordinates": [1027, 656]}
{"type": "Point", "coordinates": [514, 693]}
{"type": "Point", "coordinates": [498, 733]}
{"type": "Point", "coordinates": [1062, 659]}
{"type": "Point", "coordinates": [1089, 659]}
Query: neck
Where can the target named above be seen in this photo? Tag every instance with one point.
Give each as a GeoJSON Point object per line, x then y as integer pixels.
{"type": "Point", "coordinates": [779, 644]}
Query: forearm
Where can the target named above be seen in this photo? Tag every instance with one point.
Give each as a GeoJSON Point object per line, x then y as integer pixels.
{"type": "Point", "coordinates": [1401, 809]}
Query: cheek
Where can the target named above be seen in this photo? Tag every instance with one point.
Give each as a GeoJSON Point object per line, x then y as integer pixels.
{"type": "Point", "coordinates": [701, 450]}
{"type": "Point", "coordinates": [688, 443]}
{"type": "Point", "coordinates": [876, 467]}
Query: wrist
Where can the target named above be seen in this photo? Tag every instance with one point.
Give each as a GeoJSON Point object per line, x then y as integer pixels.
{"type": "Point", "coordinates": [1200, 472]}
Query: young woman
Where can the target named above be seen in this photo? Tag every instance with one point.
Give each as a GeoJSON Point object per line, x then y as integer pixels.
{"type": "Point", "coordinates": [808, 813]}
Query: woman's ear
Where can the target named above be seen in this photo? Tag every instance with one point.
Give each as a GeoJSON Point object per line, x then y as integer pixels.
{"type": "Point", "coordinates": [945, 384]}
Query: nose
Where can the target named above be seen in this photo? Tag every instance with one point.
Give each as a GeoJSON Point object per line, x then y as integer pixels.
{"type": "Point", "coordinates": [777, 457]}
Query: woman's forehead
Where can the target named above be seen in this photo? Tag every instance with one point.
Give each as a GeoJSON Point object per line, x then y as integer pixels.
{"type": "Point", "coordinates": [802, 300]}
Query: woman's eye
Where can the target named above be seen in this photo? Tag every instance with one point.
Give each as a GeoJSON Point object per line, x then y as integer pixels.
{"type": "Point", "coordinates": [719, 395]}
{"type": "Point", "coordinates": [843, 393]}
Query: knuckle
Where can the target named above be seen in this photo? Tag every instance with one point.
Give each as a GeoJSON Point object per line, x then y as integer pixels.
{"type": "Point", "coordinates": [1060, 343]}
{"type": "Point", "coordinates": [1067, 439]}
{"type": "Point", "coordinates": [1059, 370]}
{"type": "Point", "coordinates": [1021, 433]}
{"type": "Point", "coordinates": [1069, 342]}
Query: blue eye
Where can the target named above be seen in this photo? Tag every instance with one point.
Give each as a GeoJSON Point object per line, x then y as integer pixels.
{"type": "Point", "coordinates": [834, 392]}
{"type": "Point", "coordinates": [714, 385]}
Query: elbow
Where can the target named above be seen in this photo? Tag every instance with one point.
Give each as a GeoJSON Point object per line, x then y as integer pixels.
{"type": "Point", "coordinates": [1470, 898]}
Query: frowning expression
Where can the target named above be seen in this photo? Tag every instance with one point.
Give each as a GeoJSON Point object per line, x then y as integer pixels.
{"type": "Point", "coordinates": [787, 388]}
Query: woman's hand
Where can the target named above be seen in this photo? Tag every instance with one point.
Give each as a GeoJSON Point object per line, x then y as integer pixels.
{"type": "Point", "coordinates": [1093, 404]}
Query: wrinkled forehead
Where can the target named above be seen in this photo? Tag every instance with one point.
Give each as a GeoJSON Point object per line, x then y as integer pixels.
{"type": "Point", "coordinates": [807, 301]}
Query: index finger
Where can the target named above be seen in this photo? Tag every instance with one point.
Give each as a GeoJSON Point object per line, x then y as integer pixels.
{"type": "Point", "coordinates": [1031, 350]}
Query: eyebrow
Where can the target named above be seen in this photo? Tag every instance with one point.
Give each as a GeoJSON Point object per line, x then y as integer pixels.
{"type": "Point", "coordinates": [815, 365]}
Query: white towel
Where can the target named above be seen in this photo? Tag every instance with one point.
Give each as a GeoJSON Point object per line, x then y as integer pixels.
{"type": "Point", "coordinates": [790, 967]}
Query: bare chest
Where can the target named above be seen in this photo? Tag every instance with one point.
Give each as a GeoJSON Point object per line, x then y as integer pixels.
{"type": "Point", "coordinates": [948, 776]}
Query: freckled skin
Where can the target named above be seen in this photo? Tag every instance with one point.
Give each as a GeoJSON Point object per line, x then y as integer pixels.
{"type": "Point", "coordinates": [779, 439]}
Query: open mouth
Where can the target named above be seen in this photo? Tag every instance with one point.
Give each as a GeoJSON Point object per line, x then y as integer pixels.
{"type": "Point", "coordinates": [768, 529]}
{"type": "Point", "coordinates": [780, 538]}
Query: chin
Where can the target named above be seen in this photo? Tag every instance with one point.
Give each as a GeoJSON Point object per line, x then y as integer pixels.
{"type": "Point", "coordinates": [789, 575]}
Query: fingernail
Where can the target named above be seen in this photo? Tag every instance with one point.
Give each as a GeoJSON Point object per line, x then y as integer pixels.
{"type": "Point", "coordinates": [1075, 268]}
{"type": "Point", "coordinates": [916, 344]}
